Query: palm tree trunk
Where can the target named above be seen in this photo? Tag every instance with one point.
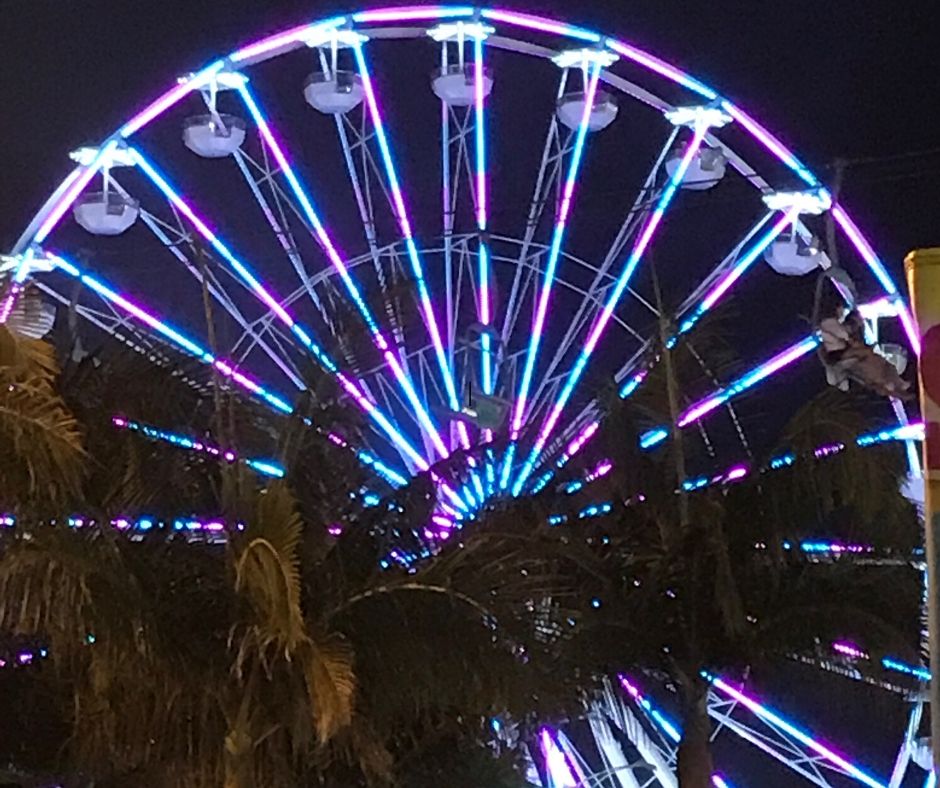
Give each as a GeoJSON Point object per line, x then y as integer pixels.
{"type": "Point", "coordinates": [238, 760]}
{"type": "Point", "coordinates": [695, 765]}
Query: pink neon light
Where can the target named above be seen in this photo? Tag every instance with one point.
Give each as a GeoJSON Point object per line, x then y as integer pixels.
{"type": "Point", "coordinates": [83, 177]}
{"type": "Point", "coordinates": [775, 364]}
{"type": "Point", "coordinates": [878, 269]}
{"type": "Point", "coordinates": [170, 98]}
{"type": "Point", "coordinates": [770, 142]}
{"type": "Point", "coordinates": [336, 260]}
{"type": "Point", "coordinates": [410, 13]}
{"type": "Point", "coordinates": [604, 318]}
{"type": "Point", "coordinates": [738, 472]}
{"type": "Point", "coordinates": [735, 273]}
{"type": "Point", "coordinates": [820, 749]}
{"type": "Point", "coordinates": [539, 23]}
{"type": "Point", "coordinates": [660, 67]}
{"type": "Point", "coordinates": [292, 36]}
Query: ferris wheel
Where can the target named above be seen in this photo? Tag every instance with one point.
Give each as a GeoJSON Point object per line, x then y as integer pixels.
{"type": "Point", "coordinates": [453, 213]}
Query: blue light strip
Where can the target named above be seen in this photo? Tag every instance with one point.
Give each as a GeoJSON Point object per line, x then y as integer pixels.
{"type": "Point", "coordinates": [247, 276]}
{"type": "Point", "coordinates": [404, 223]}
{"type": "Point", "coordinates": [326, 242]}
{"type": "Point", "coordinates": [603, 319]}
{"type": "Point", "coordinates": [224, 367]}
{"type": "Point", "coordinates": [726, 282]}
{"type": "Point", "coordinates": [554, 252]}
{"type": "Point", "coordinates": [483, 263]}
{"type": "Point", "coordinates": [264, 467]}
{"type": "Point", "coordinates": [752, 378]}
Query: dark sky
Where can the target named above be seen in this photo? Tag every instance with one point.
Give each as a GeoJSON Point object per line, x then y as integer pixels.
{"type": "Point", "coordinates": [849, 78]}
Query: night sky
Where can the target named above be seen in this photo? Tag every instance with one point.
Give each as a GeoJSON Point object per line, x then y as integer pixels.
{"type": "Point", "coordinates": [858, 80]}
{"type": "Point", "coordinates": [845, 78]}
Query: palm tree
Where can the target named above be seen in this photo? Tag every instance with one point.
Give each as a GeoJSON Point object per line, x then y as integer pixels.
{"type": "Point", "coordinates": [43, 454]}
{"type": "Point", "coordinates": [698, 583]}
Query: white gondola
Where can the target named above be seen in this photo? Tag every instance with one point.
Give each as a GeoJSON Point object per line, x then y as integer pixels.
{"type": "Point", "coordinates": [795, 257]}
{"type": "Point", "coordinates": [706, 169]}
{"type": "Point", "coordinates": [335, 93]}
{"type": "Point", "coordinates": [456, 85]}
{"type": "Point", "coordinates": [570, 110]}
{"type": "Point", "coordinates": [106, 213]}
{"type": "Point", "coordinates": [214, 136]}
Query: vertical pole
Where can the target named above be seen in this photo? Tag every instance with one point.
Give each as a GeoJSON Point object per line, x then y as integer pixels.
{"type": "Point", "coordinates": [923, 281]}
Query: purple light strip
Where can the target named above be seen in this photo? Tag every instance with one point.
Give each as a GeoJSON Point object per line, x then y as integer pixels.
{"type": "Point", "coordinates": [726, 282]}
{"type": "Point", "coordinates": [170, 98]}
{"type": "Point", "coordinates": [556, 763]}
{"type": "Point", "coordinates": [759, 373]}
{"type": "Point", "coordinates": [226, 368]}
{"type": "Point", "coordinates": [484, 307]}
{"type": "Point", "coordinates": [662, 68]}
{"type": "Point", "coordinates": [540, 23]}
{"type": "Point", "coordinates": [600, 324]}
{"type": "Point", "coordinates": [771, 717]}
{"type": "Point", "coordinates": [770, 142]}
{"type": "Point", "coordinates": [412, 13]}
{"type": "Point", "coordinates": [326, 242]}
{"type": "Point", "coordinates": [172, 334]}
{"type": "Point", "coordinates": [880, 272]}
{"type": "Point", "coordinates": [268, 299]}
{"type": "Point", "coordinates": [561, 220]}
{"type": "Point", "coordinates": [401, 214]}
{"type": "Point", "coordinates": [278, 41]}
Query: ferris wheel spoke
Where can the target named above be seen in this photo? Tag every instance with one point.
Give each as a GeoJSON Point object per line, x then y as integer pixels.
{"type": "Point", "coordinates": [278, 225]}
{"type": "Point", "coordinates": [217, 293]}
{"type": "Point", "coordinates": [541, 309]}
{"type": "Point", "coordinates": [327, 244]}
{"type": "Point", "coordinates": [603, 280]}
{"type": "Point", "coordinates": [404, 223]}
{"type": "Point", "coordinates": [701, 124]}
{"type": "Point", "coordinates": [747, 381]}
{"type": "Point", "coordinates": [265, 296]}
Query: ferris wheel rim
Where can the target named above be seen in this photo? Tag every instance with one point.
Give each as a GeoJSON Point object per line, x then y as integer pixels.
{"type": "Point", "coordinates": [293, 38]}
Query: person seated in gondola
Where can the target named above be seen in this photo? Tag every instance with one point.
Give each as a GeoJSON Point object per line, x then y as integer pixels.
{"type": "Point", "coordinates": [847, 355]}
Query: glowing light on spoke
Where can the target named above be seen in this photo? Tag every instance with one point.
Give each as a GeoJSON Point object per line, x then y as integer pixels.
{"type": "Point", "coordinates": [556, 763]}
{"type": "Point", "coordinates": [770, 716]}
{"type": "Point", "coordinates": [881, 274]}
{"type": "Point", "coordinates": [411, 13]}
{"type": "Point", "coordinates": [540, 24]}
{"type": "Point", "coordinates": [198, 445]}
{"type": "Point", "coordinates": [401, 215]}
{"type": "Point", "coordinates": [561, 221]}
{"type": "Point", "coordinates": [283, 40]}
{"type": "Point", "coordinates": [483, 261]}
{"type": "Point", "coordinates": [600, 324]}
{"type": "Point", "coordinates": [770, 142]}
{"type": "Point", "coordinates": [326, 242]}
{"type": "Point", "coordinates": [752, 378]}
{"type": "Point", "coordinates": [274, 305]}
{"type": "Point", "coordinates": [170, 333]}
{"type": "Point", "coordinates": [726, 282]}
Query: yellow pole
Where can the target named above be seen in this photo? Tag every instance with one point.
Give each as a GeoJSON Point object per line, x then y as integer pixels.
{"type": "Point", "coordinates": [923, 281]}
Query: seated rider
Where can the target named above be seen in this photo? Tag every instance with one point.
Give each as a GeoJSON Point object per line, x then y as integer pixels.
{"type": "Point", "coordinates": [846, 354]}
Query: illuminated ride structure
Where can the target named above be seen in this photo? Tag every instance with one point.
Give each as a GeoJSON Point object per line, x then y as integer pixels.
{"type": "Point", "coordinates": [452, 213]}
